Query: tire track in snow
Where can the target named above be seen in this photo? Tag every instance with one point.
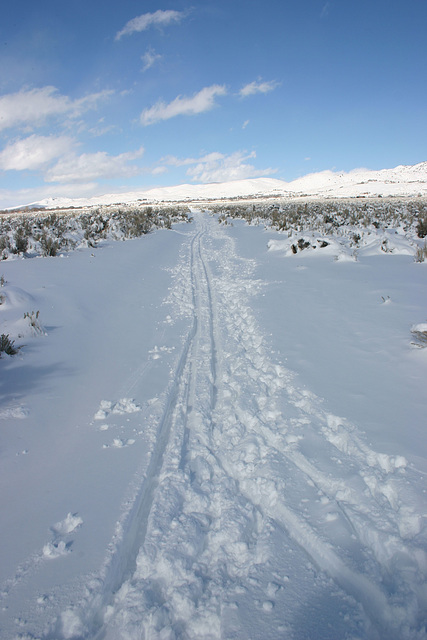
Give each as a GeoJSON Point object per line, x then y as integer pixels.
{"type": "Point", "coordinates": [187, 558]}
{"type": "Point", "coordinates": [130, 537]}
{"type": "Point", "coordinates": [377, 533]}
{"type": "Point", "coordinates": [239, 448]}
{"type": "Point", "coordinates": [373, 600]}
{"type": "Point", "coordinates": [372, 507]}
{"type": "Point", "coordinates": [89, 618]}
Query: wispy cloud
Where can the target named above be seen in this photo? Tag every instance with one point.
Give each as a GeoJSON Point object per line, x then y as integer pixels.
{"type": "Point", "coordinates": [92, 166]}
{"type": "Point", "coordinates": [325, 10]}
{"type": "Point", "coordinates": [218, 167]}
{"type": "Point", "coordinates": [34, 152]}
{"type": "Point", "coordinates": [101, 129]}
{"type": "Point", "coordinates": [149, 58]}
{"type": "Point", "coordinates": [147, 20]}
{"type": "Point", "coordinates": [258, 87]}
{"type": "Point", "coordinates": [173, 161]}
{"type": "Point", "coordinates": [34, 106]}
{"type": "Point", "coordinates": [202, 101]}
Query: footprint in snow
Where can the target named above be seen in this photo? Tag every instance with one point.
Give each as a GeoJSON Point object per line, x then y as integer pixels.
{"type": "Point", "coordinates": [118, 443]}
{"type": "Point", "coordinates": [68, 525]}
{"type": "Point", "coordinates": [124, 405]}
{"type": "Point", "coordinates": [53, 550]}
{"type": "Point", "coordinates": [157, 352]}
{"type": "Point", "coordinates": [57, 547]}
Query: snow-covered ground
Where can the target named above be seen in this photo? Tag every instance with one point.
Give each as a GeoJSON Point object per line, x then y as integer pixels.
{"type": "Point", "coordinates": [207, 436]}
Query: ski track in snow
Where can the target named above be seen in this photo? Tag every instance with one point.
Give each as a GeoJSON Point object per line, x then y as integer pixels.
{"type": "Point", "coordinates": [248, 474]}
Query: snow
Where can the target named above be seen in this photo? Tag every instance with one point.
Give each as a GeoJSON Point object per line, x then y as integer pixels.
{"type": "Point", "coordinates": [399, 181]}
{"type": "Point", "coordinates": [68, 525]}
{"type": "Point", "coordinates": [214, 437]}
{"type": "Point", "coordinates": [421, 326]}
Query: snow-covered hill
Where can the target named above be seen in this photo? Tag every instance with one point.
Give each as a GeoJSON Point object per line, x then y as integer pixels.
{"type": "Point", "coordinates": [400, 181]}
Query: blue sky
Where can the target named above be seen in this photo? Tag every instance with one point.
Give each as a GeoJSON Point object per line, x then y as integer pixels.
{"type": "Point", "coordinates": [99, 97]}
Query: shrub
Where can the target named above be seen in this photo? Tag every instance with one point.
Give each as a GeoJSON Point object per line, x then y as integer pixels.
{"type": "Point", "coordinates": [49, 245]}
{"type": "Point", "coordinates": [7, 345]}
{"type": "Point", "coordinates": [421, 254]}
{"type": "Point", "coordinates": [138, 223]}
{"type": "Point", "coordinates": [4, 243]}
{"type": "Point", "coordinates": [303, 244]}
{"type": "Point", "coordinates": [33, 319]}
{"type": "Point", "coordinates": [420, 338]}
{"type": "Point", "coordinates": [95, 226]}
{"type": "Point", "coordinates": [21, 241]}
{"type": "Point", "coordinates": [422, 227]}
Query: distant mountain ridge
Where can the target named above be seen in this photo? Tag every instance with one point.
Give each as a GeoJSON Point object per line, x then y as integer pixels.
{"type": "Point", "coordinates": [403, 180]}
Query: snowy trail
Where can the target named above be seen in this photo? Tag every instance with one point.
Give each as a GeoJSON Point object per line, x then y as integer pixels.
{"type": "Point", "coordinates": [257, 504]}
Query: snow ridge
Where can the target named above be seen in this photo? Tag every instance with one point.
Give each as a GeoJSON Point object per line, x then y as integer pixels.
{"type": "Point", "coordinates": [239, 497]}
{"type": "Point", "coordinates": [403, 180]}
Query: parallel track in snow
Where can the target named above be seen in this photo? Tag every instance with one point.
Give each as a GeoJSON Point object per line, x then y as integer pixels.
{"type": "Point", "coordinates": [239, 491]}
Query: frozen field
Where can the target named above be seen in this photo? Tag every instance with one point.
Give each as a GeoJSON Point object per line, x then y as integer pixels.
{"type": "Point", "coordinates": [207, 437]}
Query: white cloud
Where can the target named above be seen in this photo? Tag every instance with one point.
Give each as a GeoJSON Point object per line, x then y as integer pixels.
{"type": "Point", "coordinates": [258, 87]}
{"type": "Point", "coordinates": [173, 161]}
{"type": "Point", "coordinates": [149, 58]}
{"type": "Point", "coordinates": [202, 101]}
{"type": "Point", "coordinates": [157, 171]}
{"type": "Point", "coordinates": [146, 20]}
{"type": "Point", "coordinates": [34, 152]}
{"type": "Point", "coordinates": [217, 167]}
{"type": "Point", "coordinates": [245, 124]}
{"type": "Point", "coordinates": [35, 106]}
{"type": "Point", "coordinates": [92, 166]}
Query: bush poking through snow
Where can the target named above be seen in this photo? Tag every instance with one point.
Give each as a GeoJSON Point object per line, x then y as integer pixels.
{"type": "Point", "coordinates": [49, 245]}
{"type": "Point", "coordinates": [419, 331]}
{"type": "Point", "coordinates": [39, 233]}
{"type": "Point", "coordinates": [33, 319]}
{"type": "Point", "coordinates": [422, 227]}
{"type": "Point", "coordinates": [7, 345]}
{"type": "Point", "coordinates": [4, 246]}
{"type": "Point", "coordinates": [21, 240]}
{"type": "Point", "coordinates": [344, 217]}
{"type": "Point", "coordinates": [421, 254]}
{"type": "Point", "coordinates": [303, 244]}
